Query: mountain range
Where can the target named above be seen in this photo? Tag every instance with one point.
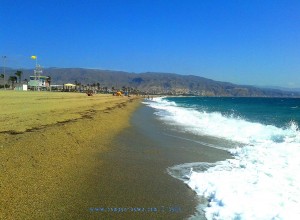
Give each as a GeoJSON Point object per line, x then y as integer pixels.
{"type": "Point", "coordinates": [155, 82]}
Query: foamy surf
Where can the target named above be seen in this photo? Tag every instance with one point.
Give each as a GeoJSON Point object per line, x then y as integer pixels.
{"type": "Point", "coordinates": [260, 182]}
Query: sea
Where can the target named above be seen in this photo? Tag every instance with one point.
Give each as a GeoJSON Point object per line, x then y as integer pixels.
{"type": "Point", "coordinates": [261, 179]}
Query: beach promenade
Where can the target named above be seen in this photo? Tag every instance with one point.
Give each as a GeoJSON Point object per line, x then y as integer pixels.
{"type": "Point", "coordinates": [49, 147]}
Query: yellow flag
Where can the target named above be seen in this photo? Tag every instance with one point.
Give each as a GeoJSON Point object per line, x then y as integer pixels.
{"type": "Point", "coordinates": [33, 57]}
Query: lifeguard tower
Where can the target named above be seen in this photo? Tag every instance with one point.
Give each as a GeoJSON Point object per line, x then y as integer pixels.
{"type": "Point", "coordinates": [38, 82]}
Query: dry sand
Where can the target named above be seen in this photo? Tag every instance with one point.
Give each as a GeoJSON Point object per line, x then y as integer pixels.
{"type": "Point", "coordinates": [49, 144]}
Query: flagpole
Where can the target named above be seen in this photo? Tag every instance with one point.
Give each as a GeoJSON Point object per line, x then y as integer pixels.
{"type": "Point", "coordinates": [38, 74]}
{"type": "Point", "coordinates": [4, 58]}
{"type": "Point", "coordinates": [35, 72]}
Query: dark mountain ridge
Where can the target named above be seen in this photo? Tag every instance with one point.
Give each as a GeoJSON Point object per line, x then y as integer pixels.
{"type": "Point", "coordinates": [155, 82]}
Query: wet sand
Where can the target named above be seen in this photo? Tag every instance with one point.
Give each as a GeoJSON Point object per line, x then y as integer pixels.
{"type": "Point", "coordinates": [138, 175]}
{"type": "Point", "coordinates": [69, 156]}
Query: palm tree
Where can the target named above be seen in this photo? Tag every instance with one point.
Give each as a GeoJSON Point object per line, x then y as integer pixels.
{"type": "Point", "coordinates": [78, 85]}
{"type": "Point", "coordinates": [49, 81]}
{"type": "Point", "coordinates": [2, 77]}
{"type": "Point", "coordinates": [19, 75]}
{"type": "Point", "coordinates": [13, 79]}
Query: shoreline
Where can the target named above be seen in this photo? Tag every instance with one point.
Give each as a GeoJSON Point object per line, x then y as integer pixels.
{"type": "Point", "coordinates": [147, 149]}
{"type": "Point", "coordinates": [93, 157]}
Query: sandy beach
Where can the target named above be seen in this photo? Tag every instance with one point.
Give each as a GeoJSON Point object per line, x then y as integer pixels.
{"type": "Point", "coordinates": [49, 146]}
{"type": "Point", "coordinates": [70, 156]}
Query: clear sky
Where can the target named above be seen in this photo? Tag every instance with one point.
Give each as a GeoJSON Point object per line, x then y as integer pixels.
{"type": "Point", "coordinates": [254, 42]}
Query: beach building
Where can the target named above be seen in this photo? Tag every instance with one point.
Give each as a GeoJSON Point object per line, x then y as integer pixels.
{"type": "Point", "coordinates": [38, 81]}
{"type": "Point", "coordinates": [69, 87]}
{"type": "Point", "coordinates": [21, 87]}
{"type": "Point", "coordinates": [56, 87]}
{"type": "Point", "coordinates": [41, 82]}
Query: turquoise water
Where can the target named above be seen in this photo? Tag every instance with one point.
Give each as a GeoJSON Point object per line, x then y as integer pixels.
{"type": "Point", "coordinates": [279, 112]}
{"type": "Point", "coordinates": [261, 180]}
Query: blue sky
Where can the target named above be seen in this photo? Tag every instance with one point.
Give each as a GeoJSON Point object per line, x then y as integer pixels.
{"type": "Point", "coordinates": [240, 41]}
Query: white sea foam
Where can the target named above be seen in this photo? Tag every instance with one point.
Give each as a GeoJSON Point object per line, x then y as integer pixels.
{"type": "Point", "coordinates": [260, 182]}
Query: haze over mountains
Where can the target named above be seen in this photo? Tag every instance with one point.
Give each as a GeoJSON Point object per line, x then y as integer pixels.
{"type": "Point", "coordinates": [159, 83]}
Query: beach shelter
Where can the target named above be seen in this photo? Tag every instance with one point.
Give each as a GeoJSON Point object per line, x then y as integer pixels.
{"type": "Point", "coordinates": [69, 86]}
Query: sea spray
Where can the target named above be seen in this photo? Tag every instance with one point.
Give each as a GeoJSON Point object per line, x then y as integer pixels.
{"type": "Point", "coordinates": [261, 180]}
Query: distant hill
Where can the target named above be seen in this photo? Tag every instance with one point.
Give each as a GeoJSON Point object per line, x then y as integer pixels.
{"type": "Point", "coordinates": [281, 88]}
{"type": "Point", "coordinates": [159, 83]}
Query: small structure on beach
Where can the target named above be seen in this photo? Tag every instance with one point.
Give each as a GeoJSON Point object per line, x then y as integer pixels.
{"type": "Point", "coordinates": [22, 87]}
{"type": "Point", "coordinates": [69, 87]}
{"type": "Point", "coordinates": [40, 82]}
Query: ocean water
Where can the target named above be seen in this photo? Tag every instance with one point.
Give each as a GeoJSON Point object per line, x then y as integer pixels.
{"type": "Point", "coordinates": [262, 179]}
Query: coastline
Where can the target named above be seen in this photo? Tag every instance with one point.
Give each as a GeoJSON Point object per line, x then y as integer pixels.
{"type": "Point", "coordinates": [49, 168]}
{"type": "Point", "coordinates": [143, 154]}
{"type": "Point", "coordinates": [93, 157]}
